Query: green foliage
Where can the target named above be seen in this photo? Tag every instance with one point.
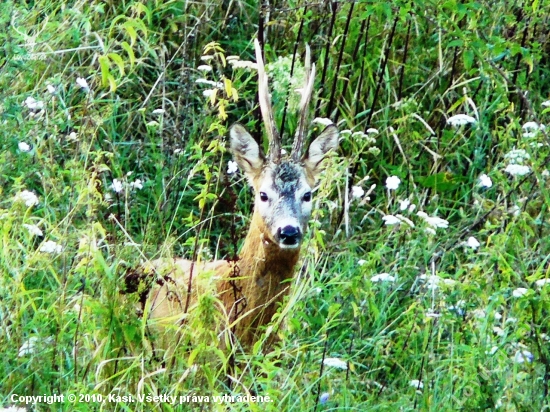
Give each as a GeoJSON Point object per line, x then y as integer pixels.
{"type": "Point", "coordinates": [113, 152]}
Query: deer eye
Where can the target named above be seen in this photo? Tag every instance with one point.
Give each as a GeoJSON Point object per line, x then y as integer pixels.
{"type": "Point", "coordinates": [263, 197]}
{"type": "Point", "coordinates": [307, 197]}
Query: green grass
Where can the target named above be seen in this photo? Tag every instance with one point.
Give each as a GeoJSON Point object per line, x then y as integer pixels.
{"type": "Point", "coordinates": [470, 324]}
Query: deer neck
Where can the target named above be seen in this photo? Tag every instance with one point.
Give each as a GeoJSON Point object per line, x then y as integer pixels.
{"type": "Point", "coordinates": [262, 273]}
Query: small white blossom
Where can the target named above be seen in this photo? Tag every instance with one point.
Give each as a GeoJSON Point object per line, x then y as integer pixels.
{"type": "Point", "coordinates": [383, 277]}
{"type": "Point", "coordinates": [82, 83]}
{"type": "Point", "coordinates": [207, 93]}
{"type": "Point", "coordinates": [232, 167]}
{"type": "Point", "coordinates": [33, 229]}
{"type": "Point", "coordinates": [24, 147]}
{"type": "Point", "coordinates": [50, 246]}
{"type": "Point", "coordinates": [206, 58]}
{"type": "Point", "coordinates": [434, 221]}
{"type": "Point", "coordinates": [361, 262]}
{"type": "Point", "coordinates": [136, 184]}
{"type": "Point", "coordinates": [204, 68]}
{"type": "Point", "coordinates": [73, 136]}
{"type": "Point", "coordinates": [12, 409]}
{"type": "Point", "coordinates": [545, 173]}
{"type": "Point", "coordinates": [28, 347]}
{"type": "Point", "coordinates": [530, 129]}
{"type": "Point", "coordinates": [372, 130]}
{"type": "Point", "coordinates": [546, 103]}
{"type": "Point", "coordinates": [519, 292]}
{"type": "Point", "coordinates": [542, 282]}
{"type": "Point", "coordinates": [392, 182]}
{"type": "Point", "coordinates": [243, 64]}
{"type": "Point", "coordinates": [523, 356]}
{"type": "Point", "coordinates": [34, 104]}
{"type": "Point", "coordinates": [479, 313]}
{"type": "Point", "coordinates": [430, 231]}
{"type": "Point", "coordinates": [517, 170]}
{"type": "Point", "coordinates": [485, 181]}
{"type": "Point", "coordinates": [283, 152]}
{"type": "Point", "coordinates": [405, 219]}
{"type": "Point", "coordinates": [390, 220]}
{"type": "Point", "coordinates": [404, 204]}
{"type": "Point", "coordinates": [50, 89]}
{"type": "Point", "coordinates": [322, 121]}
{"type": "Point", "coordinates": [117, 186]}
{"type": "Point", "coordinates": [218, 85]}
{"type": "Point", "coordinates": [335, 363]}
{"type": "Point", "coordinates": [460, 120]}
{"type": "Point", "coordinates": [415, 383]}
{"type": "Point", "coordinates": [232, 57]}
{"type": "Point", "coordinates": [473, 243]}
{"type": "Point", "coordinates": [159, 111]}
{"type": "Point", "coordinates": [357, 192]}
{"type": "Point", "coordinates": [498, 331]}
{"type": "Point", "coordinates": [517, 156]}
{"type": "Point", "coordinates": [28, 197]}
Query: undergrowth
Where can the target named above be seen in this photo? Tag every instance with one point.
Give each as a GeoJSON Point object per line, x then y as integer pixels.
{"type": "Point", "coordinates": [424, 280]}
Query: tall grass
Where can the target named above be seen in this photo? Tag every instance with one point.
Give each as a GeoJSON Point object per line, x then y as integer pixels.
{"type": "Point", "coordinates": [430, 294]}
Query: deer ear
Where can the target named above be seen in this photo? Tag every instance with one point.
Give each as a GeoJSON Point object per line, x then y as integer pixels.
{"type": "Point", "coordinates": [318, 149]}
{"type": "Point", "coordinates": [245, 150]}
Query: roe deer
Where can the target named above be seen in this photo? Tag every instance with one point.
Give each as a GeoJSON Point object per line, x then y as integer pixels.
{"type": "Point", "coordinates": [252, 287]}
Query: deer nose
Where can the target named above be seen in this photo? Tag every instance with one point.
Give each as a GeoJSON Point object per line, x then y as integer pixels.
{"type": "Point", "coordinates": [290, 235]}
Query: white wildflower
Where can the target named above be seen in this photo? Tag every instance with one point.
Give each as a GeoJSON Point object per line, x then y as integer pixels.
{"type": "Point", "coordinates": [473, 243]}
{"type": "Point", "coordinates": [434, 221]}
{"type": "Point", "coordinates": [29, 346]}
{"type": "Point", "coordinates": [523, 356]}
{"type": "Point", "coordinates": [542, 282]}
{"type": "Point", "coordinates": [517, 170]}
{"type": "Point", "coordinates": [492, 351]}
{"type": "Point", "coordinates": [485, 181]}
{"type": "Point", "coordinates": [73, 136]}
{"type": "Point", "coordinates": [34, 104]}
{"type": "Point", "coordinates": [546, 103]}
{"type": "Point", "coordinates": [232, 167]}
{"type": "Point", "coordinates": [204, 68]}
{"type": "Point", "coordinates": [33, 229]}
{"type": "Point", "coordinates": [82, 83]}
{"type": "Point", "coordinates": [50, 89]}
{"type": "Point", "coordinates": [405, 219]}
{"type": "Point", "coordinates": [372, 130]}
{"type": "Point", "coordinates": [322, 121]}
{"type": "Point", "coordinates": [519, 292]}
{"type": "Point", "coordinates": [50, 246]}
{"type": "Point", "coordinates": [357, 192]}
{"type": "Point", "coordinates": [404, 204]}
{"type": "Point", "coordinates": [23, 147]}
{"type": "Point", "coordinates": [411, 208]}
{"type": "Point", "coordinates": [283, 152]}
{"type": "Point", "coordinates": [243, 64]}
{"type": "Point", "coordinates": [361, 262]}
{"type": "Point", "coordinates": [415, 383]}
{"type": "Point", "coordinates": [479, 313]}
{"type": "Point", "coordinates": [430, 231]}
{"type": "Point", "coordinates": [530, 129]}
{"type": "Point", "coordinates": [28, 197]}
{"type": "Point", "coordinates": [545, 173]}
{"type": "Point", "coordinates": [345, 132]}
{"type": "Point", "coordinates": [432, 281]}
{"type": "Point", "coordinates": [390, 220]}
{"type": "Point", "coordinates": [358, 135]}
{"type": "Point", "coordinates": [392, 182]}
{"type": "Point", "coordinates": [12, 409]}
{"type": "Point", "coordinates": [159, 111]}
{"type": "Point", "coordinates": [460, 120]}
{"type": "Point", "coordinates": [232, 57]}
{"type": "Point", "coordinates": [335, 363]}
{"type": "Point", "coordinates": [208, 93]}
{"type": "Point", "coordinates": [517, 156]}
{"type": "Point", "coordinates": [206, 58]}
{"type": "Point", "coordinates": [498, 331]}
{"type": "Point", "coordinates": [383, 277]}
{"type": "Point", "coordinates": [218, 85]}
{"type": "Point", "coordinates": [117, 186]}
{"type": "Point", "coordinates": [136, 184]}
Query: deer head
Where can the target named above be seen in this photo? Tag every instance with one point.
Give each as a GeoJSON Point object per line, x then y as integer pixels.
{"type": "Point", "coordinates": [282, 187]}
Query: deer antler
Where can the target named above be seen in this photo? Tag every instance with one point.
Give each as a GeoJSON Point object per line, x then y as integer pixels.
{"type": "Point", "coordinates": [266, 109]}
{"type": "Point", "coordinates": [306, 92]}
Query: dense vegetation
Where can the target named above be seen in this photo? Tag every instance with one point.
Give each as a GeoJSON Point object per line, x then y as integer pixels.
{"type": "Point", "coordinates": [424, 282]}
